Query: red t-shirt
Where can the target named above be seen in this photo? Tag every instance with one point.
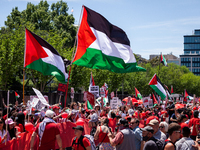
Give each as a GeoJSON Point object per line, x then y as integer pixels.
{"type": "Point", "coordinates": [151, 118]}
{"type": "Point", "coordinates": [77, 146]}
{"type": "Point", "coordinates": [193, 122]}
{"type": "Point", "coordinates": [49, 136]}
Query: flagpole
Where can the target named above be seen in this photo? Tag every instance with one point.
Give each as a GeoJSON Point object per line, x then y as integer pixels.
{"type": "Point", "coordinates": [159, 64]}
{"type": "Point", "coordinates": [7, 114]}
{"type": "Point", "coordinates": [23, 84]}
{"type": "Point", "coordinates": [73, 56]}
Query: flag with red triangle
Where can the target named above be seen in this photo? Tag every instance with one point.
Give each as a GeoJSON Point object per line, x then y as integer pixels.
{"type": "Point", "coordinates": [41, 56]}
{"type": "Point", "coordinates": [187, 96]}
{"type": "Point", "coordinates": [17, 95]}
{"type": "Point", "coordinates": [156, 85]}
{"type": "Point", "coordinates": [137, 94]}
{"type": "Point", "coordinates": [163, 60]}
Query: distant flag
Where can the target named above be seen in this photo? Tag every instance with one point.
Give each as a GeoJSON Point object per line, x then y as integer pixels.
{"type": "Point", "coordinates": [172, 90]}
{"type": "Point", "coordinates": [156, 84]}
{"type": "Point", "coordinates": [163, 60]}
{"type": "Point", "coordinates": [187, 96]}
{"type": "Point", "coordinates": [137, 94]}
{"type": "Point", "coordinates": [92, 80]}
{"type": "Point", "coordinates": [102, 45]}
{"type": "Point", "coordinates": [17, 95]}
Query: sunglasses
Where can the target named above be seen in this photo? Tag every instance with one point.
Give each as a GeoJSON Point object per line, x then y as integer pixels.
{"type": "Point", "coordinates": [161, 127]}
{"type": "Point", "coordinates": [132, 123]}
{"type": "Point", "coordinates": [178, 131]}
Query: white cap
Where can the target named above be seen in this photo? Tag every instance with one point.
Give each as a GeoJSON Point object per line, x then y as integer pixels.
{"type": "Point", "coordinates": [49, 113]}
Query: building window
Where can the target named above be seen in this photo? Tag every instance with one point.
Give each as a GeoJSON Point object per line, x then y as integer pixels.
{"type": "Point", "coordinates": [186, 52]}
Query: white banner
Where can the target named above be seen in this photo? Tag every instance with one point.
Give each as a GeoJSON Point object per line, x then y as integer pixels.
{"type": "Point", "coordinates": [94, 90]}
{"type": "Point", "coordinates": [114, 103]}
{"type": "Point", "coordinates": [41, 97]}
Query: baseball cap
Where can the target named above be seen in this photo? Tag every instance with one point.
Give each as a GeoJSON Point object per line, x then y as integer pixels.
{"type": "Point", "coordinates": [9, 121]}
{"type": "Point", "coordinates": [56, 107]}
{"type": "Point", "coordinates": [78, 128]}
{"type": "Point", "coordinates": [49, 113]}
{"type": "Point", "coordinates": [130, 112]}
{"type": "Point", "coordinates": [153, 122]}
{"type": "Point", "coordinates": [94, 118]}
{"type": "Point", "coordinates": [122, 121]}
{"type": "Point", "coordinates": [148, 128]}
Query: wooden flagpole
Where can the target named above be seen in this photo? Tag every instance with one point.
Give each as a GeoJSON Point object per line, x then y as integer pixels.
{"type": "Point", "coordinates": [23, 84]}
{"type": "Point", "coordinates": [72, 57]}
{"type": "Point", "coordinates": [7, 114]}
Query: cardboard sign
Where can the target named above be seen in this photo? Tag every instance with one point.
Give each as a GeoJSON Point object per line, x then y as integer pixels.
{"type": "Point", "coordinates": [61, 89]}
{"type": "Point", "coordinates": [146, 101]}
{"type": "Point", "coordinates": [89, 96]}
{"type": "Point", "coordinates": [112, 94]}
{"type": "Point", "coordinates": [72, 92]}
{"type": "Point", "coordinates": [41, 97]}
{"type": "Point", "coordinates": [102, 92]}
{"type": "Point", "coordinates": [94, 90]}
{"type": "Point", "coordinates": [35, 96]}
{"type": "Point", "coordinates": [114, 103]}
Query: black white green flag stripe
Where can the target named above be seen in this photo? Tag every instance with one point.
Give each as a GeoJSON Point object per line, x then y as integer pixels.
{"type": "Point", "coordinates": [102, 45]}
{"type": "Point", "coordinates": [163, 60]}
{"type": "Point", "coordinates": [41, 56]}
{"type": "Point", "coordinates": [156, 84]}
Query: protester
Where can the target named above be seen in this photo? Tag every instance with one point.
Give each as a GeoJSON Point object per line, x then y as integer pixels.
{"type": "Point", "coordinates": [150, 142]}
{"type": "Point", "coordinates": [11, 128]}
{"type": "Point", "coordinates": [79, 142]}
{"type": "Point", "coordinates": [48, 133]}
{"type": "Point", "coordinates": [93, 122]}
{"type": "Point", "coordinates": [157, 133]}
{"type": "Point", "coordinates": [4, 136]}
{"type": "Point", "coordinates": [193, 123]}
{"type": "Point", "coordinates": [134, 125]}
{"type": "Point", "coordinates": [185, 143]}
{"type": "Point", "coordinates": [102, 134]}
{"type": "Point", "coordinates": [124, 138]}
{"type": "Point", "coordinates": [174, 131]}
{"type": "Point", "coordinates": [170, 108]}
{"type": "Point", "coordinates": [163, 126]}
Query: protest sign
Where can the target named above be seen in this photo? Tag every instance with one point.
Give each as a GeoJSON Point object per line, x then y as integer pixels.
{"type": "Point", "coordinates": [114, 103]}
{"type": "Point", "coordinates": [72, 92]}
{"type": "Point", "coordinates": [61, 89]}
{"type": "Point", "coordinates": [102, 92]}
{"type": "Point", "coordinates": [35, 96]}
{"type": "Point", "coordinates": [94, 90]}
{"type": "Point", "coordinates": [150, 103]}
{"type": "Point", "coordinates": [41, 97]}
{"type": "Point", "coordinates": [146, 101]}
{"type": "Point", "coordinates": [89, 96]}
{"type": "Point", "coordinates": [119, 102]}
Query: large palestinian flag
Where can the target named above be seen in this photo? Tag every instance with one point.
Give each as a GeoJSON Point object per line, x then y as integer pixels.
{"type": "Point", "coordinates": [156, 84]}
{"type": "Point", "coordinates": [102, 45]}
{"type": "Point", "coordinates": [41, 56]}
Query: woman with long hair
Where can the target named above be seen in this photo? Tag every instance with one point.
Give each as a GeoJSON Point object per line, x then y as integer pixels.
{"type": "Point", "coordinates": [11, 128]}
{"type": "Point", "coordinates": [3, 134]}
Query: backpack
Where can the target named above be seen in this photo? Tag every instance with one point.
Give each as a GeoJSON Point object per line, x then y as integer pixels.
{"type": "Point", "coordinates": [89, 137]}
{"type": "Point", "coordinates": [158, 143]}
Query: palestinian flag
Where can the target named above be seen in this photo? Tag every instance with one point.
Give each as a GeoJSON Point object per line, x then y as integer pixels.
{"type": "Point", "coordinates": [163, 60]}
{"type": "Point", "coordinates": [88, 106]}
{"type": "Point", "coordinates": [156, 84]}
{"type": "Point", "coordinates": [92, 80]}
{"type": "Point", "coordinates": [137, 94]}
{"type": "Point", "coordinates": [17, 95]}
{"type": "Point", "coordinates": [188, 96]}
{"type": "Point", "coordinates": [102, 45]}
{"type": "Point", "coordinates": [172, 90]}
{"type": "Point", "coordinates": [41, 56]}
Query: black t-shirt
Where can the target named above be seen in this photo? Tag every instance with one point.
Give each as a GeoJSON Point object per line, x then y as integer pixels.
{"type": "Point", "coordinates": [171, 106]}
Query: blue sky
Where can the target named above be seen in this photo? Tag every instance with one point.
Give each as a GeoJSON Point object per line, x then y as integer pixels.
{"type": "Point", "coordinates": [152, 26]}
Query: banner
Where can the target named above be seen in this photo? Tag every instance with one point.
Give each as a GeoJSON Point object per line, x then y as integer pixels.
{"type": "Point", "coordinates": [146, 101]}
{"type": "Point", "coordinates": [112, 94]}
{"type": "Point", "coordinates": [72, 92]}
{"type": "Point", "coordinates": [61, 89]}
{"type": "Point", "coordinates": [41, 97]}
{"type": "Point", "coordinates": [94, 90]}
{"type": "Point", "coordinates": [35, 96]}
{"type": "Point", "coordinates": [102, 92]}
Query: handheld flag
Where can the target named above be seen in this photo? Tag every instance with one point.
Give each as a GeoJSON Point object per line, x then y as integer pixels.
{"type": "Point", "coordinates": [41, 56]}
{"type": "Point", "coordinates": [172, 90]}
{"type": "Point", "coordinates": [187, 96]}
{"type": "Point", "coordinates": [154, 99]}
{"type": "Point", "coordinates": [156, 84]}
{"type": "Point", "coordinates": [137, 94]}
{"type": "Point", "coordinates": [17, 95]}
{"type": "Point", "coordinates": [101, 45]}
{"type": "Point", "coordinates": [163, 60]}
{"type": "Point", "coordinates": [92, 80]}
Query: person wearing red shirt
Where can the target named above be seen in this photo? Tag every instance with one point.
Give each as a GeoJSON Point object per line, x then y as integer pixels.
{"type": "Point", "coordinates": [48, 133]}
{"type": "Point", "coordinates": [151, 117]}
{"type": "Point", "coordinates": [79, 142]}
{"type": "Point", "coordinates": [194, 122]}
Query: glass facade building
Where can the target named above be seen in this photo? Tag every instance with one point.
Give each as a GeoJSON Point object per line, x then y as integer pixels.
{"type": "Point", "coordinates": [191, 57]}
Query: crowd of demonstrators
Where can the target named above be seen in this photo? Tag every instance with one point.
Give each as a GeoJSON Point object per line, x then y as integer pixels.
{"type": "Point", "coordinates": [130, 126]}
